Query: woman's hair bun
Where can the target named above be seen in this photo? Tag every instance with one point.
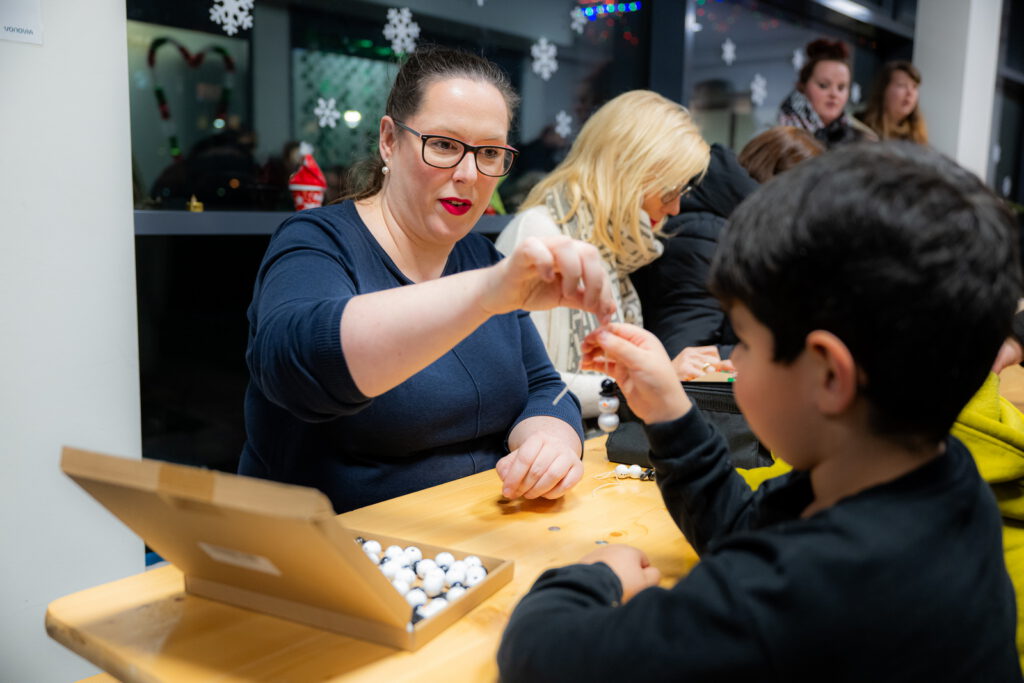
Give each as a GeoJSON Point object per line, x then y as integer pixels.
{"type": "Point", "coordinates": [828, 49]}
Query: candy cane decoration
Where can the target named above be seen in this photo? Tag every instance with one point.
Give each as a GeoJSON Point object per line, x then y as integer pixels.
{"type": "Point", "coordinates": [193, 61]}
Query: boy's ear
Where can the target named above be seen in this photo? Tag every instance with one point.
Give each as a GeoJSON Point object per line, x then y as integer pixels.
{"type": "Point", "coordinates": [836, 372]}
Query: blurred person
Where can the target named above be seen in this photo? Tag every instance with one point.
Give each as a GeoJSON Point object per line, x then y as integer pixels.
{"type": "Point", "coordinates": [677, 306]}
{"type": "Point", "coordinates": [819, 101]}
{"type": "Point", "coordinates": [626, 172]}
{"type": "Point", "coordinates": [893, 110]}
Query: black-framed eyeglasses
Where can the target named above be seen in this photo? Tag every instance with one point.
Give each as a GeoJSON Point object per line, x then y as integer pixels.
{"type": "Point", "coordinates": [441, 151]}
{"type": "Point", "coordinates": [680, 191]}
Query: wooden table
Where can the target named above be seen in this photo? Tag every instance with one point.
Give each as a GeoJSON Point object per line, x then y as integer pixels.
{"type": "Point", "coordinates": [146, 628]}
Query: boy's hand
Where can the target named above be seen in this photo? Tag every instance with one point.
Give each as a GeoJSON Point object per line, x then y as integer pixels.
{"type": "Point", "coordinates": [629, 564]}
{"type": "Point", "coordinates": [635, 359]}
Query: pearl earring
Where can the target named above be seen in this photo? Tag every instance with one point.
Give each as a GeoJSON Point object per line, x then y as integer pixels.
{"type": "Point", "coordinates": [385, 170]}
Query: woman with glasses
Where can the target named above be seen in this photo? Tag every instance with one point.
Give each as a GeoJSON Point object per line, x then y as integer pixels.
{"type": "Point", "coordinates": [387, 351]}
{"type": "Point", "coordinates": [625, 173]}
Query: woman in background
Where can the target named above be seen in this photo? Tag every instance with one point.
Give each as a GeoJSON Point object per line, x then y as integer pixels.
{"type": "Point", "coordinates": [678, 308]}
{"type": "Point", "coordinates": [819, 101]}
{"type": "Point", "coordinates": [629, 166]}
{"type": "Point", "coordinates": [893, 109]}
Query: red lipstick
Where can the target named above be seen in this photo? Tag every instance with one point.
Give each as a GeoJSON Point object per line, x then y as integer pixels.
{"type": "Point", "coordinates": [456, 205]}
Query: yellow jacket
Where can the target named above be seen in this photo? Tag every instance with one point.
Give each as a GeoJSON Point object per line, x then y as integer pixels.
{"type": "Point", "coordinates": [993, 430]}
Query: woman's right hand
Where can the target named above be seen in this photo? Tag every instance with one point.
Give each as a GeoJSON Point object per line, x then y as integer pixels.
{"type": "Point", "coordinates": [694, 361]}
{"type": "Point", "coordinates": [546, 272]}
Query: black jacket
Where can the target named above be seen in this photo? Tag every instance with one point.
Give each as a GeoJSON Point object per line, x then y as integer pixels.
{"type": "Point", "coordinates": [904, 581]}
{"type": "Point", "coordinates": [673, 290]}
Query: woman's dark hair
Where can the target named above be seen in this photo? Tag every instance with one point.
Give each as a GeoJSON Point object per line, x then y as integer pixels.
{"type": "Point", "coordinates": [427, 65]}
{"type": "Point", "coordinates": [824, 50]}
{"type": "Point", "coordinates": [776, 150]}
{"type": "Point", "coordinates": [896, 250]}
{"type": "Point", "coordinates": [914, 127]}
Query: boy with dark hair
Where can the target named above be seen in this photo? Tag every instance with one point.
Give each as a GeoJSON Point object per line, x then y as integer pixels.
{"type": "Point", "coordinates": [870, 289]}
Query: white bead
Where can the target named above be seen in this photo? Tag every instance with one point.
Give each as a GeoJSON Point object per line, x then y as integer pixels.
{"type": "Point", "coordinates": [373, 558]}
{"type": "Point", "coordinates": [425, 566]}
{"type": "Point", "coordinates": [608, 404]}
{"type": "Point", "coordinates": [389, 569]}
{"type": "Point", "coordinates": [406, 574]}
{"type": "Point", "coordinates": [394, 552]}
{"type": "Point", "coordinates": [444, 560]}
{"type": "Point", "coordinates": [437, 604]}
{"type": "Point", "coordinates": [475, 575]}
{"type": "Point", "coordinates": [621, 472]}
{"type": "Point", "coordinates": [608, 422]}
{"type": "Point", "coordinates": [371, 547]}
{"type": "Point", "coordinates": [416, 597]}
{"type": "Point", "coordinates": [413, 554]}
{"type": "Point", "coordinates": [433, 583]}
{"type": "Point", "coordinates": [454, 593]}
{"type": "Point", "coordinates": [456, 573]}
{"type": "Point", "coordinates": [635, 471]}
{"type": "Point", "coordinates": [400, 586]}
{"type": "Point", "coordinates": [473, 560]}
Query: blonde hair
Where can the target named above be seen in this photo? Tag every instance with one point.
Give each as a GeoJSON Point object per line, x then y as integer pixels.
{"type": "Point", "coordinates": [635, 145]}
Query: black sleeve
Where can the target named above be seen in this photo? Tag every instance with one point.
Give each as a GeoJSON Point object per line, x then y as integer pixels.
{"type": "Point", "coordinates": [700, 487]}
{"type": "Point", "coordinates": [569, 627]}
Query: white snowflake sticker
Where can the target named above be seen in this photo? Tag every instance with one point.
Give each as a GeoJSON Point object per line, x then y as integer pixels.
{"type": "Point", "coordinates": [758, 90]}
{"type": "Point", "coordinates": [855, 93]}
{"type": "Point", "coordinates": [1007, 186]}
{"type": "Point", "coordinates": [326, 112]}
{"type": "Point", "coordinates": [545, 58]}
{"type": "Point", "coordinates": [401, 30]}
{"type": "Point", "coordinates": [798, 59]}
{"type": "Point", "coordinates": [728, 51]}
{"type": "Point", "coordinates": [577, 20]}
{"type": "Point", "coordinates": [997, 153]}
{"type": "Point", "coordinates": [232, 15]}
{"type": "Point", "coordinates": [563, 124]}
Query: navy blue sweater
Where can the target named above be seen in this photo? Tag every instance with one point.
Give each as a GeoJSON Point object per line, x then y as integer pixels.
{"type": "Point", "coordinates": [307, 423]}
{"type": "Point", "coordinates": [903, 581]}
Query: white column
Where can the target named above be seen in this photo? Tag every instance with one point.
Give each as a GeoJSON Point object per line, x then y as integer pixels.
{"type": "Point", "coordinates": [956, 45]}
{"type": "Point", "coordinates": [68, 341]}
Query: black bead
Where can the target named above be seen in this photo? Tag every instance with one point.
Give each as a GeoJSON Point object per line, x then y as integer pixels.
{"type": "Point", "coordinates": [608, 387]}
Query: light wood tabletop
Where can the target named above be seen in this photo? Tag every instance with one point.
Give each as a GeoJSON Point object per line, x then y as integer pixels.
{"type": "Point", "coordinates": [146, 628]}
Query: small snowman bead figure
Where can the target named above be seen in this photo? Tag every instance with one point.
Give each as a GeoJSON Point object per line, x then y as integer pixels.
{"type": "Point", "coordinates": [608, 405]}
{"type": "Point", "coordinates": [621, 472]}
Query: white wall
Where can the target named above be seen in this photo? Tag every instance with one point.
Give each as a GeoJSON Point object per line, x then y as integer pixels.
{"type": "Point", "coordinates": [957, 53]}
{"type": "Point", "coordinates": [68, 349]}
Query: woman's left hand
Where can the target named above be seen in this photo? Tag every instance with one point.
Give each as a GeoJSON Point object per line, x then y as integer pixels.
{"type": "Point", "coordinates": [544, 461]}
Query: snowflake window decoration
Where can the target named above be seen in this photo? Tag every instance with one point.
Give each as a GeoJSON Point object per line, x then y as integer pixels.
{"type": "Point", "coordinates": [401, 30]}
{"type": "Point", "coordinates": [577, 20]}
{"type": "Point", "coordinates": [798, 59]}
{"type": "Point", "coordinates": [563, 124]}
{"type": "Point", "coordinates": [758, 90]}
{"type": "Point", "coordinates": [326, 112]}
{"type": "Point", "coordinates": [728, 51]}
{"type": "Point", "coordinates": [232, 15]}
{"type": "Point", "coordinates": [997, 153]}
{"type": "Point", "coordinates": [855, 93]}
{"type": "Point", "coordinates": [1007, 186]}
{"type": "Point", "coordinates": [545, 58]}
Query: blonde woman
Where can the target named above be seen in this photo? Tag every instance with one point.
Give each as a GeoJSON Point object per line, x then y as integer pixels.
{"type": "Point", "coordinates": [631, 163]}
